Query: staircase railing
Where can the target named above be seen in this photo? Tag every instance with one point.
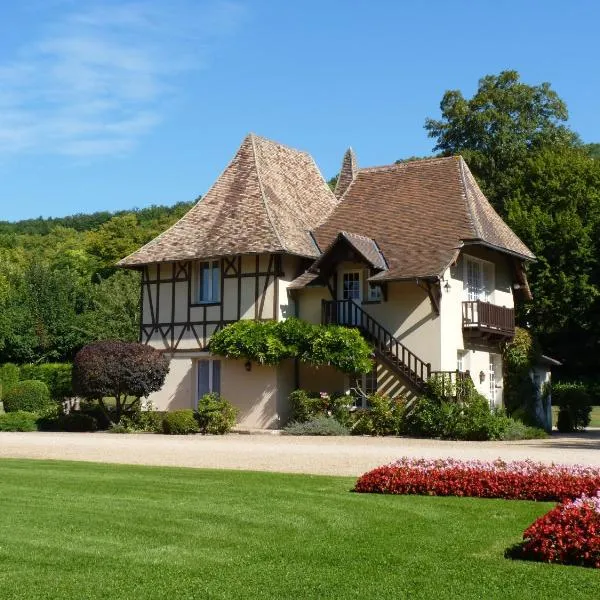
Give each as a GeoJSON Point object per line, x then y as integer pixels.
{"type": "Point", "coordinates": [350, 314]}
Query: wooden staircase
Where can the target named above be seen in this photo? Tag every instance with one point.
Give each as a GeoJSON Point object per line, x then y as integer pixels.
{"type": "Point", "coordinates": [404, 363]}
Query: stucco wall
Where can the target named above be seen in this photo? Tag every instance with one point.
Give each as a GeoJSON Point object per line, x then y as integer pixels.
{"type": "Point", "coordinates": [322, 379]}
{"type": "Point", "coordinates": [179, 387]}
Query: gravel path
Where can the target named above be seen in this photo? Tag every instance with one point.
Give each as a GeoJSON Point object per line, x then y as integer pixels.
{"type": "Point", "coordinates": [316, 455]}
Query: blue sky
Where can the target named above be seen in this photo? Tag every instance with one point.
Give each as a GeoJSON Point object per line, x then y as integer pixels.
{"type": "Point", "coordinates": [108, 105]}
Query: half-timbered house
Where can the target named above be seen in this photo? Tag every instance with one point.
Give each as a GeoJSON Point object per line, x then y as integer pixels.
{"type": "Point", "coordinates": [412, 254]}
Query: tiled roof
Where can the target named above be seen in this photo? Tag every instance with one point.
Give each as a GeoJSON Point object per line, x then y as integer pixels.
{"type": "Point", "coordinates": [267, 200]}
{"type": "Point", "coordinates": [347, 173]}
{"type": "Point", "coordinates": [302, 281]}
{"type": "Point", "coordinates": [420, 213]}
{"type": "Point", "coordinates": [365, 246]}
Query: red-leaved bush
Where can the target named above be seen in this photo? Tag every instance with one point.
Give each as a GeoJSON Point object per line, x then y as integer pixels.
{"type": "Point", "coordinates": [569, 534]}
{"type": "Point", "coordinates": [523, 480]}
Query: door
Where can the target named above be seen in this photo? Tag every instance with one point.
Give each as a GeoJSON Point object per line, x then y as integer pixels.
{"type": "Point", "coordinates": [351, 290]}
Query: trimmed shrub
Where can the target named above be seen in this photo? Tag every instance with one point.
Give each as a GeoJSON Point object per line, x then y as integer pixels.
{"type": "Point", "coordinates": [125, 371]}
{"type": "Point", "coordinates": [77, 421]}
{"type": "Point", "coordinates": [180, 422]}
{"type": "Point", "coordinates": [320, 425]}
{"type": "Point", "coordinates": [575, 406]}
{"type": "Point", "coordinates": [9, 376]}
{"type": "Point", "coordinates": [519, 480]}
{"type": "Point", "coordinates": [18, 421]}
{"type": "Point", "coordinates": [57, 376]}
{"type": "Point", "coordinates": [29, 396]}
{"type": "Point", "coordinates": [215, 415]}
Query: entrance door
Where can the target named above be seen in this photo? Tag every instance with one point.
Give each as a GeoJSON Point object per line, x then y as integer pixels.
{"type": "Point", "coordinates": [351, 289]}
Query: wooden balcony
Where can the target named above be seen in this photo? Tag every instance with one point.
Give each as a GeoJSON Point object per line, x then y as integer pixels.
{"type": "Point", "coordinates": [487, 321]}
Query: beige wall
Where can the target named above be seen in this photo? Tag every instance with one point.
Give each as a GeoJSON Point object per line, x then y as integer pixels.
{"type": "Point", "coordinates": [321, 379]}
{"type": "Point", "coordinates": [253, 392]}
{"type": "Point", "coordinates": [179, 387]}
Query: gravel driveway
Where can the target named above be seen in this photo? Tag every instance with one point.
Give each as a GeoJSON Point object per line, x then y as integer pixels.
{"type": "Point", "coordinates": [316, 455]}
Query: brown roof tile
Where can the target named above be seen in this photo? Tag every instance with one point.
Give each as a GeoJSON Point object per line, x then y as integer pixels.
{"type": "Point", "coordinates": [267, 200]}
{"type": "Point", "coordinates": [347, 173]}
{"type": "Point", "coordinates": [420, 213]}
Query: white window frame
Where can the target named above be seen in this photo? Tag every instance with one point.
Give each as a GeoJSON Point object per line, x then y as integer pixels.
{"type": "Point", "coordinates": [488, 278]}
{"type": "Point", "coordinates": [362, 382]}
{"type": "Point", "coordinates": [211, 377]}
{"type": "Point", "coordinates": [360, 283]}
{"type": "Point", "coordinates": [461, 360]}
{"type": "Point", "coordinates": [214, 296]}
{"type": "Point", "coordinates": [374, 292]}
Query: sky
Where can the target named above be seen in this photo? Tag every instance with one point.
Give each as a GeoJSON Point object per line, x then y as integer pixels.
{"type": "Point", "coordinates": [112, 105]}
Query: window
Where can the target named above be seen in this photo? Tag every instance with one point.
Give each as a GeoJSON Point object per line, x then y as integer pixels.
{"type": "Point", "coordinates": [209, 376]}
{"type": "Point", "coordinates": [375, 294]}
{"type": "Point", "coordinates": [351, 286]}
{"type": "Point", "coordinates": [461, 362]}
{"type": "Point", "coordinates": [366, 383]}
{"type": "Point", "coordinates": [478, 279]}
{"type": "Point", "coordinates": [209, 288]}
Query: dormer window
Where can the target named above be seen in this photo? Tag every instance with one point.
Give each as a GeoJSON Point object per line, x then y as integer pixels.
{"type": "Point", "coordinates": [209, 289]}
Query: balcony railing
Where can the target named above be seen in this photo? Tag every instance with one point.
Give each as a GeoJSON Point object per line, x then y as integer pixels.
{"type": "Point", "coordinates": [480, 318]}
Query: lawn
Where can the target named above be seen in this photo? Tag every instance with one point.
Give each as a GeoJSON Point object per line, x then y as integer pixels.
{"type": "Point", "coordinates": [80, 530]}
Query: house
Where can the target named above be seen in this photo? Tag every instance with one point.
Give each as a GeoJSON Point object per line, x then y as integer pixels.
{"type": "Point", "coordinates": [412, 254]}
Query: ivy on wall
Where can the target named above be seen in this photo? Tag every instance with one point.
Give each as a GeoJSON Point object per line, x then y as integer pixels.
{"type": "Point", "coordinates": [270, 342]}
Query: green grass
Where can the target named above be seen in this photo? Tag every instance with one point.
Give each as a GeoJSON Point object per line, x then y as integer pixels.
{"type": "Point", "coordinates": [594, 421]}
{"type": "Point", "coordinates": [80, 530]}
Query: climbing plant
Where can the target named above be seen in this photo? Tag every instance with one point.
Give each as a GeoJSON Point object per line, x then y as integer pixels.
{"type": "Point", "coordinates": [269, 343]}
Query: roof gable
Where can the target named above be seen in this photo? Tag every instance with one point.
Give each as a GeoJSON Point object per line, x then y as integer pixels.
{"type": "Point", "coordinates": [421, 213]}
{"type": "Point", "coordinates": [267, 200]}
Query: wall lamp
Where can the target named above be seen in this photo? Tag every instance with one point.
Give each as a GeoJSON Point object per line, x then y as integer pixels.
{"type": "Point", "coordinates": [447, 286]}
{"type": "Point", "coordinates": [248, 366]}
{"type": "Point", "coordinates": [481, 376]}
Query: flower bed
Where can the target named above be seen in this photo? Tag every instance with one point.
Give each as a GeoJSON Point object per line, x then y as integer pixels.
{"type": "Point", "coordinates": [522, 480]}
{"type": "Point", "coordinates": [568, 534]}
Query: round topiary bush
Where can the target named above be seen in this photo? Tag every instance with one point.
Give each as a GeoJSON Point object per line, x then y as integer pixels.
{"type": "Point", "coordinates": [29, 395]}
{"type": "Point", "coordinates": [180, 422]}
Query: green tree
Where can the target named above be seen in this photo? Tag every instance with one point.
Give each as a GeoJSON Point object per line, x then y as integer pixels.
{"type": "Point", "coordinates": [497, 128]}
{"type": "Point", "coordinates": [546, 185]}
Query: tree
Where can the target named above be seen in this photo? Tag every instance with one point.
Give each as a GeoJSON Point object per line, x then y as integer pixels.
{"type": "Point", "coordinates": [546, 184]}
{"type": "Point", "coordinates": [496, 128]}
{"type": "Point", "coordinates": [114, 309]}
{"type": "Point", "coordinates": [124, 371]}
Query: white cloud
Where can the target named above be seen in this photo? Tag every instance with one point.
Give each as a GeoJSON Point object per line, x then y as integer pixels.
{"type": "Point", "coordinates": [97, 80]}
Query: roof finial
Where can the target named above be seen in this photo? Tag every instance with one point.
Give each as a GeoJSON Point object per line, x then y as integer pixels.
{"type": "Point", "coordinates": [347, 173]}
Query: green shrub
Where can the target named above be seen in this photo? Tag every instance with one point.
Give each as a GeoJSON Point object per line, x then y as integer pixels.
{"type": "Point", "coordinates": [151, 420]}
{"type": "Point", "coordinates": [384, 416]}
{"type": "Point", "coordinates": [517, 430]}
{"type": "Point", "coordinates": [575, 406]}
{"type": "Point", "coordinates": [469, 419]}
{"type": "Point", "coordinates": [215, 415]}
{"type": "Point", "coordinates": [29, 396]}
{"type": "Point", "coordinates": [77, 421]}
{"type": "Point", "coordinates": [57, 376]}
{"type": "Point", "coordinates": [307, 405]}
{"type": "Point", "coordinates": [9, 376]}
{"type": "Point", "coordinates": [18, 421]}
{"type": "Point", "coordinates": [320, 425]}
{"type": "Point", "coordinates": [180, 422]}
